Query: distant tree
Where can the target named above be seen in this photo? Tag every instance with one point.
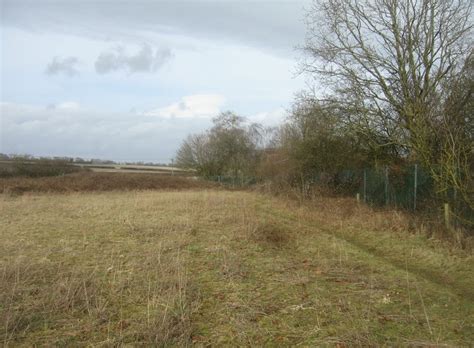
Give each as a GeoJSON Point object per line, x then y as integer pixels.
{"type": "Point", "coordinates": [196, 153]}
{"type": "Point", "coordinates": [234, 143]}
{"type": "Point", "coordinates": [314, 142]}
{"type": "Point", "coordinates": [230, 147]}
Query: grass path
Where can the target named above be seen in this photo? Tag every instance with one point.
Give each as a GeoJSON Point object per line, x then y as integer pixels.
{"type": "Point", "coordinates": [313, 287]}
{"type": "Point", "coordinates": [221, 268]}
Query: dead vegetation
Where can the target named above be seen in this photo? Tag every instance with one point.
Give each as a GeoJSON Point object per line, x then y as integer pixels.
{"type": "Point", "coordinates": [271, 233]}
{"type": "Point", "coordinates": [89, 269]}
{"type": "Point", "coordinates": [428, 222]}
{"type": "Point", "coordinates": [37, 168]}
{"type": "Point", "coordinates": [91, 181]}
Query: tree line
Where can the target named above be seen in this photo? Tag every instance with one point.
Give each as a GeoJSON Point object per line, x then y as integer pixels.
{"type": "Point", "coordinates": [392, 83]}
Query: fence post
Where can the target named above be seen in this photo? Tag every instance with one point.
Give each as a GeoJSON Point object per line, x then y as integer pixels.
{"type": "Point", "coordinates": [358, 198]}
{"type": "Point", "coordinates": [415, 186]}
{"type": "Point", "coordinates": [365, 185]}
{"type": "Point", "coordinates": [386, 185]}
{"type": "Point", "coordinates": [447, 223]}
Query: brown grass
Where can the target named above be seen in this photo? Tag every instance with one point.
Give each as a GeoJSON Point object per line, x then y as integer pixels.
{"type": "Point", "coordinates": [91, 181]}
{"type": "Point", "coordinates": [428, 221]}
{"type": "Point", "coordinates": [271, 233]}
{"type": "Point", "coordinates": [94, 269]}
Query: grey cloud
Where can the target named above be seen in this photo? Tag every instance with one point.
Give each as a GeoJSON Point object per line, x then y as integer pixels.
{"type": "Point", "coordinates": [66, 66]}
{"type": "Point", "coordinates": [269, 24]}
{"type": "Point", "coordinates": [146, 60]}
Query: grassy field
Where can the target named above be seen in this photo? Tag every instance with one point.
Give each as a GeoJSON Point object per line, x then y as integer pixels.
{"type": "Point", "coordinates": [133, 168]}
{"type": "Point", "coordinates": [215, 267]}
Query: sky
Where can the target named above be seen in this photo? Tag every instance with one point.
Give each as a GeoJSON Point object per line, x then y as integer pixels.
{"type": "Point", "coordinates": [128, 80]}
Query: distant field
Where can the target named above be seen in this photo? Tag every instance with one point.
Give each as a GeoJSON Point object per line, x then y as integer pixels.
{"type": "Point", "coordinates": [134, 168]}
{"type": "Point", "coordinates": [219, 268]}
{"type": "Point", "coordinates": [101, 181]}
{"type": "Point", "coordinates": [109, 168]}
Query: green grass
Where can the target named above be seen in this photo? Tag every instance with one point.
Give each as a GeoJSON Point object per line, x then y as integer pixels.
{"type": "Point", "coordinates": [224, 268]}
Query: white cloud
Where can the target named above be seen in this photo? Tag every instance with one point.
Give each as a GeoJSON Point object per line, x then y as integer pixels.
{"type": "Point", "coordinates": [69, 129]}
{"type": "Point", "coordinates": [146, 60]}
{"type": "Point", "coordinates": [67, 105]}
{"type": "Point", "coordinates": [193, 106]}
{"type": "Point", "coordinates": [270, 118]}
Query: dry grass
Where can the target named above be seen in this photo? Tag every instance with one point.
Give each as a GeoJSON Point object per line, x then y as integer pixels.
{"type": "Point", "coordinates": [91, 181]}
{"type": "Point", "coordinates": [427, 221]}
{"type": "Point", "coordinates": [221, 268]}
{"type": "Point", "coordinates": [271, 233]}
{"type": "Point", "coordinates": [397, 236]}
{"type": "Point", "coordinates": [102, 269]}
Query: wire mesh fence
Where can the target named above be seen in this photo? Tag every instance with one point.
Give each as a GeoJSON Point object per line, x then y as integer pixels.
{"type": "Point", "coordinates": [404, 187]}
{"type": "Point", "coordinates": [234, 181]}
{"type": "Point", "coordinates": [408, 187]}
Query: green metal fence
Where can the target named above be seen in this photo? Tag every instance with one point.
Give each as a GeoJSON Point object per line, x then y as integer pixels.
{"type": "Point", "coordinates": [405, 186]}
{"type": "Point", "coordinates": [234, 181]}
{"type": "Point", "coordinates": [409, 187]}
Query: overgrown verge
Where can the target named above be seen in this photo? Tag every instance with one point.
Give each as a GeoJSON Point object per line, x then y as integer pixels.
{"type": "Point", "coordinates": [388, 234]}
{"type": "Point", "coordinates": [316, 288]}
{"type": "Point", "coordinates": [428, 220]}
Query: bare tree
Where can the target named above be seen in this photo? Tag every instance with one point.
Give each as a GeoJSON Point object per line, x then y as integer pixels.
{"type": "Point", "coordinates": [387, 64]}
{"type": "Point", "coordinates": [386, 60]}
{"type": "Point", "coordinates": [230, 147]}
{"type": "Point", "coordinates": [456, 129]}
{"type": "Point", "coordinates": [195, 153]}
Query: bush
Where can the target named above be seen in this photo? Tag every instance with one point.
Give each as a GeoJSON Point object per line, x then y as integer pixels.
{"type": "Point", "coordinates": [92, 181]}
{"type": "Point", "coordinates": [36, 169]}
